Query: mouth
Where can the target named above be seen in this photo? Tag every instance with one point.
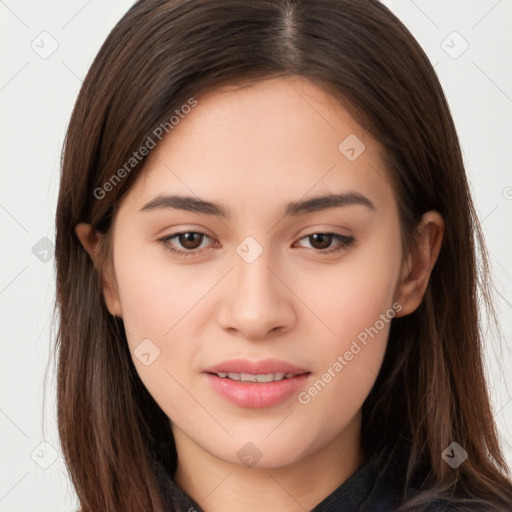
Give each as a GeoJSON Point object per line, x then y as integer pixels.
{"type": "Point", "coordinates": [261, 377]}
{"type": "Point", "coordinates": [256, 384]}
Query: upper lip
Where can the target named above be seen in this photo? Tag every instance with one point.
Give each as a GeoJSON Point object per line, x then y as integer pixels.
{"type": "Point", "coordinates": [261, 367]}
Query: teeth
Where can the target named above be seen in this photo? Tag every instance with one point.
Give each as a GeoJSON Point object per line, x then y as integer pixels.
{"type": "Point", "coordinates": [249, 377]}
{"type": "Point", "coordinates": [265, 378]}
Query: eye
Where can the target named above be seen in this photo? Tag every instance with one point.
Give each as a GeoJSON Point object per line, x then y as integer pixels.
{"type": "Point", "coordinates": [321, 242]}
{"type": "Point", "coordinates": [191, 241]}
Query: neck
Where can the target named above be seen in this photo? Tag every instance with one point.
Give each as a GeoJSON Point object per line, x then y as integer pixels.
{"type": "Point", "coordinates": [217, 485]}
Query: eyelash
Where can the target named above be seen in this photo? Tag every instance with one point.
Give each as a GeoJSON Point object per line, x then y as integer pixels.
{"type": "Point", "coordinates": [346, 242]}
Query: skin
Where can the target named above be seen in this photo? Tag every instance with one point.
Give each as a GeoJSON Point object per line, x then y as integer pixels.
{"type": "Point", "coordinates": [254, 149]}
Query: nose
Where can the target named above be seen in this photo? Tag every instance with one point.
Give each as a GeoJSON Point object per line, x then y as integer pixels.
{"type": "Point", "coordinates": [256, 300]}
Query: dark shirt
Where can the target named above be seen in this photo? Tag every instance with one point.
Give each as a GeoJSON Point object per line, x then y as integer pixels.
{"type": "Point", "coordinates": [365, 491]}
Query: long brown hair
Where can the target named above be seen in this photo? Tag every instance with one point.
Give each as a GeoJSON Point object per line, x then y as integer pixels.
{"type": "Point", "coordinates": [431, 390]}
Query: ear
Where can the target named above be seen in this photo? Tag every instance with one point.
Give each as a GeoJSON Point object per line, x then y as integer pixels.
{"type": "Point", "coordinates": [91, 242]}
{"type": "Point", "coordinates": [420, 262]}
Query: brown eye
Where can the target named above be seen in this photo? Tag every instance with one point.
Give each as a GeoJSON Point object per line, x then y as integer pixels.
{"type": "Point", "coordinates": [190, 240]}
{"type": "Point", "coordinates": [322, 243]}
{"type": "Point", "coordinates": [321, 240]}
{"type": "Point", "coordinates": [187, 243]}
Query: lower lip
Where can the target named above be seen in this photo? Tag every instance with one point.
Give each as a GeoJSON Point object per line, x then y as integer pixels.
{"type": "Point", "coordinates": [256, 394]}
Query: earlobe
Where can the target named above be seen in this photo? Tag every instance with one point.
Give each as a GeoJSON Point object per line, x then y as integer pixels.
{"type": "Point", "coordinates": [91, 242]}
{"type": "Point", "coordinates": [417, 268]}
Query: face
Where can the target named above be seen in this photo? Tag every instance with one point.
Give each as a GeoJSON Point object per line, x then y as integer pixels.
{"type": "Point", "coordinates": [267, 280]}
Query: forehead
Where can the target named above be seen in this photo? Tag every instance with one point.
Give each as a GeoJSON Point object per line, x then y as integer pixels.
{"type": "Point", "coordinates": [251, 146]}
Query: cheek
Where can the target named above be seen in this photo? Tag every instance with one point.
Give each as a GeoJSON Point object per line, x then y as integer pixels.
{"type": "Point", "coordinates": [164, 303]}
{"type": "Point", "coordinates": [352, 294]}
{"type": "Point", "coordinates": [357, 303]}
{"type": "Point", "coordinates": [157, 306]}
{"type": "Point", "coordinates": [154, 294]}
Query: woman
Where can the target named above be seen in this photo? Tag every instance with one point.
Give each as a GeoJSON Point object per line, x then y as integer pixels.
{"type": "Point", "coordinates": [266, 269]}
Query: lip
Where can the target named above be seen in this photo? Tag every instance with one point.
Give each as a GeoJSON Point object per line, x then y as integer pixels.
{"type": "Point", "coordinates": [241, 365]}
{"type": "Point", "coordinates": [252, 394]}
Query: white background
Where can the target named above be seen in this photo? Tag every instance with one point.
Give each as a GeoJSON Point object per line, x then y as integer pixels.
{"type": "Point", "coordinates": [36, 99]}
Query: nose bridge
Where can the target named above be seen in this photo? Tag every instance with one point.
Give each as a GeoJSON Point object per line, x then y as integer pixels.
{"type": "Point", "coordinates": [257, 301]}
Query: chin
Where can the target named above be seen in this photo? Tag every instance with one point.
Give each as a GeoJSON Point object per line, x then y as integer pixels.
{"type": "Point", "coordinates": [258, 453]}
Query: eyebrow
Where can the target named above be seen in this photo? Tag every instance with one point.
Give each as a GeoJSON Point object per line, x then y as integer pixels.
{"type": "Point", "coordinates": [192, 204]}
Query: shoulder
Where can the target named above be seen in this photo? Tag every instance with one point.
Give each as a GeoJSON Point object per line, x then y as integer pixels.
{"type": "Point", "coordinates": [388, 497]}
{"type": "Point", "coordinates": [389, 494]}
